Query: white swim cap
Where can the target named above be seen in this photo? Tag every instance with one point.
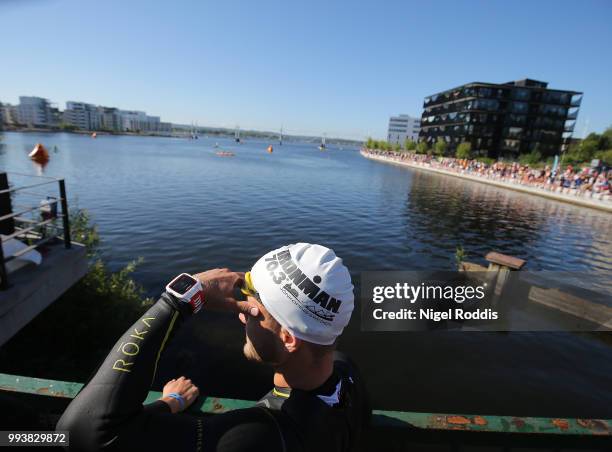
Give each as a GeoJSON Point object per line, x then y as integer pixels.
{"type": "Point", "coordinates": [307, 289]}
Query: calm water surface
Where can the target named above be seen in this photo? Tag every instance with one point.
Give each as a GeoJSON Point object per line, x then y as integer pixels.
{"type": "Point", "coordinates": [182, 208]}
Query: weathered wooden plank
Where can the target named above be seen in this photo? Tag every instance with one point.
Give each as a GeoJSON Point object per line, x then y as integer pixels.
{"type": "Point", "coordinates": [506, 261]}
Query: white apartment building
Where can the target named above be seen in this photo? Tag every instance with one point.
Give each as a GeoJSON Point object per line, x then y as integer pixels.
{"type": "Point", "coordinates": [9, 114]}
{"type": "Point", "coordinates": [95, 117]}
{"type": "Point", "coordinates": [36, 111]}
{"type": "Point", "coordinates": [402, 127]}
{"type": "Point", "coordinates": [82, 115]}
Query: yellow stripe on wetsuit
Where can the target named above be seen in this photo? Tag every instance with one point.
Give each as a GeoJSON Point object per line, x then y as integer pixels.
{"type": "Point", "coordinates": [163, 344]}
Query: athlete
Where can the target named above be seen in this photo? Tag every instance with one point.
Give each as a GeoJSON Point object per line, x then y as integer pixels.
{"type": "Point", "coordinates": [297, 301]}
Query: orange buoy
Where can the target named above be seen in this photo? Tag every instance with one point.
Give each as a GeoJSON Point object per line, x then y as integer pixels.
{"type": "Point", "coordinates": [39, 154]}
{"type": "Point", "coordinates": [270, 149]}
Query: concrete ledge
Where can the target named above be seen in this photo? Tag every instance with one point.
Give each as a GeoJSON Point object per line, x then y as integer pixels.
{"type": "Point", "coordinates": [33, 288]}
{"type": "Point", "coordinates": [600, 205]}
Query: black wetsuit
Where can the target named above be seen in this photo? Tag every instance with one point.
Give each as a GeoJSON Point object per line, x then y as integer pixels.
{"type": "Point", "coordinates": [108, 413]}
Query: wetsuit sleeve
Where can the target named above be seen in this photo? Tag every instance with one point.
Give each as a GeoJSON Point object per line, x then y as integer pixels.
{"type": "Point", "coordinates": [112, 400]}
{"type": "Point", "coordinates": [108, 414]}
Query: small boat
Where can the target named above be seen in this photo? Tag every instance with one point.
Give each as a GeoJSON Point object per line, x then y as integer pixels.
{"type": "Point", "coordinates": [322, 145]}
{"type": "Point", "coordinates": [94, 135]}
{"type": "Point", "coordinates": [270, 149]}
{"type": "Point", "coordinates": [39, 154]}
{"type": "Point", "coordinates": [225, 154]}
{"type": "Point", "coordinates": [237, 134]}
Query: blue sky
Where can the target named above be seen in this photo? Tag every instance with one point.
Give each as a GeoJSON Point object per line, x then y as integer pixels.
{"type": "Point", "coordinates": [335, 67]}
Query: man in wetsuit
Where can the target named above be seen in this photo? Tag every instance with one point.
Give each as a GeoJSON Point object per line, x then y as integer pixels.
{"type": "Point", "coordinates": [299, 298]}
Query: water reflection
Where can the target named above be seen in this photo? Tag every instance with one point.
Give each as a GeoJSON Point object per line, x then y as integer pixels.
{"type": "Point", "coordinates": [442, 212]}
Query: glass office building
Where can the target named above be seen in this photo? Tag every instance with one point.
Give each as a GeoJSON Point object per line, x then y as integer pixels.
{"type": "Point", "coordinates": [502, 120]}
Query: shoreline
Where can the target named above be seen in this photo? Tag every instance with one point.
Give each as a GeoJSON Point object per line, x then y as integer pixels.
{"type": "Point", "coordinates": [606, 206]}
{"type": "Point", "coordinates": [86, 132]}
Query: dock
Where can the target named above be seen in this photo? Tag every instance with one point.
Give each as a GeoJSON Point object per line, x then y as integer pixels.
{"type": "Point", "coordinates": [38, 259]}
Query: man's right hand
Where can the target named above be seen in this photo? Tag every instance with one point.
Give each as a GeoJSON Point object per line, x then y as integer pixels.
{"type": "Point", "coordinates": [219, 285]}
{"type": "Point", "coordinates": [183, 387]}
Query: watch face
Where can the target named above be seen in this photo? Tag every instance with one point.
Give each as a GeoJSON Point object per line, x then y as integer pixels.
{"type": "Point", "coordinates": [183, 283]}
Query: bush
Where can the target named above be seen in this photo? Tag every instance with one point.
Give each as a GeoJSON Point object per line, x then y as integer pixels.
{"type": "Point", "coordinates": [68, 127]}
{"type": "Point", "coordinates": [531, 159]}
{"type": "Point", "coordinates": [422, 147]}
{"type": "Point", "coordinates": [486, 160]}
{"type": "Point", "coordinates": [440, 146]}
{"type": "Point", "coordinates": [464, 151]}
{"type": "Point", "coordinates": [409, 145]}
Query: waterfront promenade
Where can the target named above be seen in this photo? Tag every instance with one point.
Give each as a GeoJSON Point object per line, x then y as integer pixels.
{"type": "Point", "coordinates": [599, 201]}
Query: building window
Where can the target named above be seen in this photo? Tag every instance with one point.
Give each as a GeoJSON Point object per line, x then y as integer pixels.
{"type": "Point", "coordinates": [520, 107]}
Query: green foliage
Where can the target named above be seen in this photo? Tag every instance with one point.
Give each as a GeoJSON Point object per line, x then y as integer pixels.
{"type": "Point", "coordinates": [370, 143]}
{"type": "Point", "coordinates": [409, 145]}
{"type": "Point", "coordinates": [606, 139]}
{"type": "Point", "coordinates": [397, 147]}
{"type": "Point", "coordinates": [422, 147]}
{"type": "Point", "coordinates": [459, 256]}
{"type": "Point", "coordinates": [580, 153]}
{"type": "Point", "coordinates": [440, 147]}
{"type": "Point", "coordinates": [464, 150]}
{"type": "Point", "coordinates": [82, 231]}
{"type": "Point", "coordinates": [84, 322]}
{"type": "Point", "coordinates": [68, 127]}
{"type": "Point", "coordinates": [593, 146]}
{"type": "Point", "coordinates": [532, 158]}
{"type": "Point", "coordinates": [604, 156]}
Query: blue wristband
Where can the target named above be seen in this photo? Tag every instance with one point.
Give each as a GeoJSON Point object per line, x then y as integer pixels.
{"type": "Point", "coordinates": [178, 397]}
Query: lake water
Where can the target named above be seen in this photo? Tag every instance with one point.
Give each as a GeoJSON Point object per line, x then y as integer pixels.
{"type": "Point", "coordinates": [182, 208]}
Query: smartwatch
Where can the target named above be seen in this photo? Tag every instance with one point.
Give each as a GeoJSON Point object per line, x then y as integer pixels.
{"type": "Point", "coordinates": [187, 289]}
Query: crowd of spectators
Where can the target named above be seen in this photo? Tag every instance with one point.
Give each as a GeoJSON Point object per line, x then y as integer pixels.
{"type": "Point", "coordinates": [587, 181]}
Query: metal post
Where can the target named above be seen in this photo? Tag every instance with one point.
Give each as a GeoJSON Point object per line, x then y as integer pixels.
{"type": "Point", "coordinates": [65, 216]}
{"type": "Point", "coordinates": [6, 226]}
{"type": "Point", "coordinates": [3, 273]}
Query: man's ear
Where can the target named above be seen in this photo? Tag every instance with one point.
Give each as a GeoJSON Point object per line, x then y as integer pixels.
{"type": "Point", "coordinates": [291, 343]}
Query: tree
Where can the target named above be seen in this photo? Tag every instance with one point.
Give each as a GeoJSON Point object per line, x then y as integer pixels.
{"type": "Point", "coordinates": [369, 143]}
{"type": "Point", "coordinates": [67, 127]}
{"type": "Point", "coordinates": [605, 156]}
{"type": "Point", "coordinates": [422, 147]}
{"type": "Point", "coordinates": [464, 150]}
{"type": "Point", "coordinates": [440, 146]}
{"type": "Point", "coordinates": [397, 147]}
{"type": "Point", "coordinates": [409, 145]}
{"type": "Point", "coordinates": [605, 142]}
{"type": "Point", "coordinates": [532, 158]}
